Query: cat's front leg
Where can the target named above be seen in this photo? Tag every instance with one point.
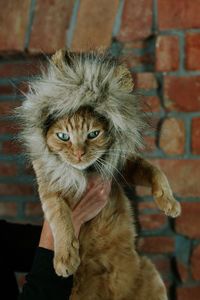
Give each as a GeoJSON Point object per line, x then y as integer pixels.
{"type": "Point", "coordinates": [139, 171]}
{"type": "Point", "coordinates": [58, 214]}
{"type": "Point", "coordinates": [66, 245]}
{"type": "Point", "coordinates": [163, 195]}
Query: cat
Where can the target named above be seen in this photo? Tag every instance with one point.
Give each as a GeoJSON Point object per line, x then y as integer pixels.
{"type": "Point", "coordinates": [81, 118]}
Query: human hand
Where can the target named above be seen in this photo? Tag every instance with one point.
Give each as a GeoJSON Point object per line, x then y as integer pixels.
{"type": "Point", "coordinates": [90, 204]}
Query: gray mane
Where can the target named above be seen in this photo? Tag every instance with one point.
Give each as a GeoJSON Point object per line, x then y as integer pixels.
{"type": "Point", "coordinates": [81, 80]}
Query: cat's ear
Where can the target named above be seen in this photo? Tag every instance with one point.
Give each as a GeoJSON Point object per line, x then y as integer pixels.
{"type": "Point", "coordinates": [126, 80]}
{"type": "Point", "coordinates": [61, 57]}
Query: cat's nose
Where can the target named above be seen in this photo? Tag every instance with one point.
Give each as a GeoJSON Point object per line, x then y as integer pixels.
{"type": "Point", "coordinates": [79, 154]}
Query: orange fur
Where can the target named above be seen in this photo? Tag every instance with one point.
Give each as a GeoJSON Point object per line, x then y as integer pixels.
{"type": "Point", "coordinates": [81, 117]}
{"type": "Point", "coordinates": [110, 268]}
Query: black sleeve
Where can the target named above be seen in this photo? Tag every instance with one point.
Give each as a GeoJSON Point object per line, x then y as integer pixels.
{"type": "Point", "coordinates": [42, 281]}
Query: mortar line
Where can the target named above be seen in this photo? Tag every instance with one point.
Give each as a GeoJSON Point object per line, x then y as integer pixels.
{"type": "Point", "coordinates": [182, 53]}
{"type": "Point", "coordinates": [30, 23]}
{"type": "Point", "coordinates": [155, 17]}
{"type": "Point", "coordinates": [118, 19]}
{"type": "Point", "coordinates": [72, 23]}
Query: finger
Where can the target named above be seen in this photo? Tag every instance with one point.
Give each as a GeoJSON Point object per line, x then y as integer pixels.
{"type": "Point", "coordinates": [95, 177]}
{"type": "Point", "coordinates": [106, 186]}
{"type": "Point", "coordinates": [88, 196]}
{"type": "Point", "coordinates": [104, 194]}
{"type": "Point", "coordinates": [92, 192]}
{"type": "Point", "coordinates": [97, 189]}
{"type": "Point", "coordinates": [93, 181]}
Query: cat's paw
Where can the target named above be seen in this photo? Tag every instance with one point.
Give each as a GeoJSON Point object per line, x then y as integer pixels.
{"type": "Point", "coordinates": [166, 202]}
{"type": "Point", "coordinates": [66, 258]}
{"type": "Point", "coordinates": [163, 195]}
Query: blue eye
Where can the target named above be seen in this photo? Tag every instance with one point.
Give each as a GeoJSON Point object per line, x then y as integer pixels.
{"type": "Point", "coordinates": [62, 136]}
{"type": "Point", "coordinates": [93, 134]}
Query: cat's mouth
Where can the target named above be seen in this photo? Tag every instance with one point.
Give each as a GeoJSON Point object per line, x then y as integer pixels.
{"type": "Point", "coordinates": [80, 165]}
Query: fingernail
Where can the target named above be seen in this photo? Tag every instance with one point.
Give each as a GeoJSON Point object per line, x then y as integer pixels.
{"type": "Point", "coordinates": [102, 191]}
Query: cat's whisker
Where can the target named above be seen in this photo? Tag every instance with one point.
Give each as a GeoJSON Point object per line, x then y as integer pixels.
{"type": "Point", "coordinates": [120, 174]}
{"type": "Point", "coordinates": [101, 163]}
{"type": "Point", "coordinates": [121, 150]}
{"type": "Point", "coordinates": [101, 171]}
{"type": "Point", "coordinates": [109, 151]}
{"type": "Point", "coordinates": [112, 167]}
{"type": "Point", "coordinates": [115, 154]}
{"type": "Point", "coordinates": [105, 151]}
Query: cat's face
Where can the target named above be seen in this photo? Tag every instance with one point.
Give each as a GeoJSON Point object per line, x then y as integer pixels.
{"type": "Point", "coordinates": [79, 140]}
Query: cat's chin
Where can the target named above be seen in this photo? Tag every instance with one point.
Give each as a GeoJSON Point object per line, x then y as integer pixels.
{"type": "Point", "coordinates": [80, 167]}
{"type": "Point", "coordinates": [83, 166]}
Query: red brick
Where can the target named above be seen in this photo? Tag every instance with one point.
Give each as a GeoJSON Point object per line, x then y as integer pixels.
{"type": "Point", "coordinates": [50, 25]}
{"type": "Point", "coordinates": [38, 221]}
{"type": "Point", "coordinates": [147, 204]}
{"type": "Point", "coordinates": [11, 147]}
{"type": "Point", "coordinates": [134, 60]}
{"type": "Point", "coordinates": [192, 48]}
{"type": "Point", "coordinates": [188, 223]}
{"type": "Point", "coordinates": [162, 265]}
{"type": "Point", "coordinates": [8, 209]}
{"type": "Point", "coordinates": [167, 53]}
{"type": "Point", "coordinates": [195, 263]}
{"type": "Point", "coordinates": [143, 191]}
{"type": "Point", "coordinates": [94, 24]}
{"type": "Point", "coordinates": [6, 89]}
{"type": "Point", "coordinates": [14, 17]}
{"type": "Point", "coordinates": [16, 189]}
{"type": "Point", "coordinates": [23, 88]}
{"type": "Point", "coordinates": [20, 69]}
{"type": "Point", "coordinates": [134, 45]}
{"type": "Point", "coordinates": [154, 121]}
{"type": "Point", "coordinates": [156, 245]}
{"type": "Point", "coordinates": [145, 81]}
{"type": "Point", "coordinates": [183, 272]}
{"type": "Point", "coordinates": [172, 137]}
{"type": "Point", "coordinates": [7, 107]}
{"type": "Point", "coordinates": [136, 20]}
{"type": "Point", "coordinates": [182, 93]}
{"type": "Point", "coordinates": [8, 169]}
{"type": "Point", "coordinates": [188, 293]}
{"type": "Point", "coordinates": [9, 127]}
{"type": "Point", "coordinates": [178, 14]}
{"type": "Point", "coordinates": [27, 170]}
{"type": "Point", "coordinates": [149, 144]}
{"type": "Point", "coordinates": [183, 175]}
{"type": "Point", "coordinates": [152, 221]}
{"type": "Point", "coordinates": [167, 284]}
{"type": "Point", "coordinates": [33, 209]}
{"type": "Point", "coordinates": [195, 144]}
{"type": "Point", "coordinates": [153, 104]}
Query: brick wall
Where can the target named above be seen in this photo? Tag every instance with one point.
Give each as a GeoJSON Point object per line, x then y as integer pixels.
{"type": "Point", "coordinates": [160, 41]}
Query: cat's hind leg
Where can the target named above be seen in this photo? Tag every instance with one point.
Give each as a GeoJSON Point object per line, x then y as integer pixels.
{"type": "Point", "coordinates": [149, 284]}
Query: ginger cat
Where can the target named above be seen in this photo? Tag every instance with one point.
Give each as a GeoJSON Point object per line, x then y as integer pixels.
{"type": "Point", "coordinates": [81, 119]}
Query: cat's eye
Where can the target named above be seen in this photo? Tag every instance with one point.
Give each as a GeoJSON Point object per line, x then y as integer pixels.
{"type": "Point", "coordinates": [93, 134]}
{"type": "Point", "coordinates": [62, 136]}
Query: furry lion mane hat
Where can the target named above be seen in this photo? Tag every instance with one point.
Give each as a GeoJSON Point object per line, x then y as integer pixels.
{"type": "Point", "coordinates": [75, 80]}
